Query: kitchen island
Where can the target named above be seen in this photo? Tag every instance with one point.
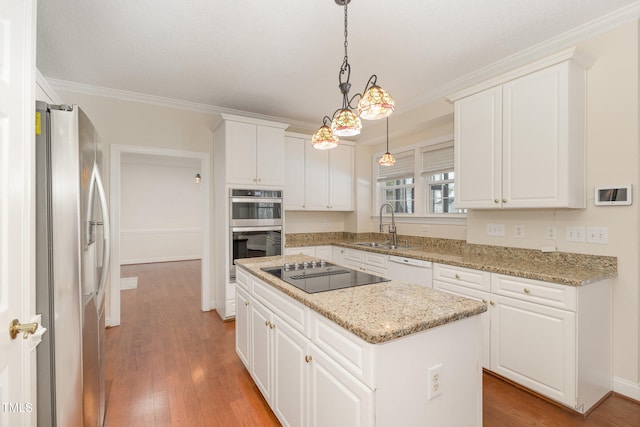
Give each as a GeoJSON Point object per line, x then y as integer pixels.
{"type": "Point", "coordinates": [390, 353]}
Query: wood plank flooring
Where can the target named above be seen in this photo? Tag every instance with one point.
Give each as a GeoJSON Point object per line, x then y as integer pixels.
{"type": "Point", "coordinates": [170, 364]}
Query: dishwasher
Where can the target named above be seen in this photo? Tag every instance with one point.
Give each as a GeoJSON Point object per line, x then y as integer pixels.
{"type": "Point", "coordinates": [410, 270]}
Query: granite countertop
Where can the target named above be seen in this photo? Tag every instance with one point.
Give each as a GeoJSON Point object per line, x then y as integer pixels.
{"type": "Point", "coordinates": [376, 313]}
{"type": "Point", "coordinates": [558, 267]}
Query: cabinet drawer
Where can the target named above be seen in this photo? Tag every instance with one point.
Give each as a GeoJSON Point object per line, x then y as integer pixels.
{"type": "Point", "coordinates": [372, 259]}
{"type": "Point", "coordinates": [353, 256]}
{"type": "Point", "coordinates": [242, 278]}
{"type": "Point", "coordinates": [546, 293]}
{"type": "Point", "coordinates": [474, 279]}
{"type": "Point", "coordinates": [291, 311]}
{"type": "Point", "coordinates": [351, 352]}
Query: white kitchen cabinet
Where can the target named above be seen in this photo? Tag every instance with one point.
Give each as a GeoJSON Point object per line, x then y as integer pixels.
{"type": "Point", "coordinates": [336, 398]}
{"type": "Point", "coordinates": [369, 262]}
{"type": "Point", "coordinates": [261, 347]}
{"type": "Point", "coordinates": [318, 180]}
{"type": "Point", "coordinates": [324, 252]}
{"type": "Point", "coordinates": [521, 143]}
{"type": "Point", "coordinates": [243, 326]}
{"type": "Point", "coordinates": [551, 338]}
{"type": "Point", "coordinates": [471, 284]}
{"type": "Point", "coordinates": [253, 151]}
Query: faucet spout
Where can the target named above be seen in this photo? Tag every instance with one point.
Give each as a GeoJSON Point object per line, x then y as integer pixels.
{"type": "Point", "coordinates": [392, 226]}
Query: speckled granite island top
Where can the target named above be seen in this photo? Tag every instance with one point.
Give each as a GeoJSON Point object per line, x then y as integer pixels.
{"type": "Point", "coordinates": [376, 313]}
{"type": "Point", "coordinates": [558, 267]}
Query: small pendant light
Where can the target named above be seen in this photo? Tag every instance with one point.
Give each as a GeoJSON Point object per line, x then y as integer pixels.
{"type": "Point", "coordinates": [387, 159]}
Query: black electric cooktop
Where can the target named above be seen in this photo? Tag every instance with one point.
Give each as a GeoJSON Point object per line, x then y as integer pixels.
{"type": "Point", "coordinates": [320, 276]}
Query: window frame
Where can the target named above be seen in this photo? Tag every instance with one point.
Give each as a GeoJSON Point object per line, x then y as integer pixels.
{"type": "Point", "coordinates": [421, 186]}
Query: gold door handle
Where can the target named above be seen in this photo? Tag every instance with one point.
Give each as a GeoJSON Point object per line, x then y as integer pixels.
{"type": "Point", "coordinates": [266, 323]}
{"type": "Point", "coordinates": [271, 325]}
{"type": "Point", "coordinates": [492, 303]}
{"type": "Point", "coordinates": [15, 328]}
{"type": "Point", "coordinates": [308, 358]}
{"type": "Point", "coordinates": [526, 290]}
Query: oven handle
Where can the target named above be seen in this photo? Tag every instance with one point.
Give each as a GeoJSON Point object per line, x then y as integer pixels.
{"type": "Point", "coordinates": [266, 228]}
{"type": "Point", "coordinates": [255, 200]}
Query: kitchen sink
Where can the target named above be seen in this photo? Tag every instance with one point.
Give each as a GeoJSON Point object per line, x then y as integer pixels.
{"type": "Point", "coordinates": [382, 245]}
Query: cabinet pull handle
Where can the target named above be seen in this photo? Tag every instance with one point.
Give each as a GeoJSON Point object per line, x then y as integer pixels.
{"type": "Point", "coordinates": [266, 323]}
{"type": "Point", "coordinates": [272, 325]}
{"type": "Point", "coordinates": [484, 301]}
{"type": "Point", "coordinates": [308, 358]}
{"type": "Point", "coordinates": [492, 303]}
{"type": "Point", "coordinates": [246, 303]}
{"type": "Point", "coordinates": [504, 200]}
{"type": "Point", "coordinates": [526, 290]}
{"type": "Point", "coordinates": [457, 276]}
{"type": "Point", "coordinates": [496, 201]}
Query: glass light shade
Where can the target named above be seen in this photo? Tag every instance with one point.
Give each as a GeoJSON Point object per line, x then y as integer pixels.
{"type": "Point", "coordinates": [323, 139]}
{"type": "Point", "coordinates": [387, 160]}
{"type": "Point", "coordinates": [346, 123]}
{"type": "Point", "coordinates": [376, 104]}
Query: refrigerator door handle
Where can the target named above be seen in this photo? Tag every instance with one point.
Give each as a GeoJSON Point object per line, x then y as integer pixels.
{"type": "Point", "coordinates": [106, 231]}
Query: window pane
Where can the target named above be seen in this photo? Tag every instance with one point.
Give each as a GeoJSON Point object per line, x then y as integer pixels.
{"type": "Point", "coordinates": [401, 194]}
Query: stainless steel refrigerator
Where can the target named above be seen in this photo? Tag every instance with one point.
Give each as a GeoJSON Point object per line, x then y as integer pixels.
{"type": "Point", "coordinates": [72, 258]}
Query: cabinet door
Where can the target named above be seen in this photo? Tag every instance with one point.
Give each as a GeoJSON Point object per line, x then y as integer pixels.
{"type": "Point", "coordinates": [336, 397]}
{"type": "Point", "coordinates": [338, 255]}
{"type": "Point", "coordinates": [261, 349]}
{"type": "Point", "coordinates": [535, 346]}
{"type": "Point", "coordinates": [290, 374]}
{"type": "Point", "coordinates": [535, 139]}
{"type": "Point", "coordinates": [317, 179]}
{"type": "Point", "coordinates": [485, 318]}
{"type": "Point", "coordinates": [270, 156]}
{"type": "Point", "coordinates": [243, 331]}
{"type": "Point", "coordinates": [478, 149]}
{"type": "Point", "coordinates": [241, 152]}
{"type": "Point", "coordinates": [294, 192]}
{"type": "Point", "coordinates": [341, 171]}
{"type": "Point", "coordinates": [324, 252]}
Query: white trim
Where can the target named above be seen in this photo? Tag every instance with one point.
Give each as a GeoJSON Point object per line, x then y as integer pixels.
{"type": "Point", "coordinates": [445, 219]}
{"type": "Point", "coordinates": [157, 259]}
{"type": "Point", "coordinates": [626, 388]}
{"type": "Point", "coordinates": [570, 38]}
{"type": "Point", "coordinates": [113, 317]}
{"type": "Point", "coordinates": [46, 88]}
{"type": "Point", "coordinates": [123, 95]}
{"type": "Point", "coordinates": [253, 121]}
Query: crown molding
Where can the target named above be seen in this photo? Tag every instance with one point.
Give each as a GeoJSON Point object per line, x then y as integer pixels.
{"type": "Point", "coordinates": [534, 53]}
{"type": "Point", "coordinates": [123, 95]}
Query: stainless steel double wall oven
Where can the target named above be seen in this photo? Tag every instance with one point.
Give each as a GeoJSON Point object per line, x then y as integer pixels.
{"type": "Point", "coordinates": [255, 223]}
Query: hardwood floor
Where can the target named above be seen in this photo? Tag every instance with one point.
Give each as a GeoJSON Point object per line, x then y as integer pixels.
{"type": "Point", "coordinates": [170, 364]}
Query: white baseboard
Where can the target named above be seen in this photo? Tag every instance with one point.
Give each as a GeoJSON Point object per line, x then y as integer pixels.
{"type": "Point", "coordinates": [128, 283]}
{"type": "Point", "coordinates": [159, 259]}
{"type": "Point", "coordinates": [626, 388]}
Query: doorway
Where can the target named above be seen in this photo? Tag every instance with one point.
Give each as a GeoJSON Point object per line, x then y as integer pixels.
{"type": "Point", "coordinates": [123, 153]}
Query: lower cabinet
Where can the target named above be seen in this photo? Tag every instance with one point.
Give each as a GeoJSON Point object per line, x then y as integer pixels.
{"type": "Point", "coordinates": [324, 252]}
{"type": "Point", "coordinates": [551, 338]}
{"type": "Point", "coordinates": [301, 383]}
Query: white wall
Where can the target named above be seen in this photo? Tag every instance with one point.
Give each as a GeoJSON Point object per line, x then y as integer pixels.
{"type": "Point", "coordinates": [161, 209]}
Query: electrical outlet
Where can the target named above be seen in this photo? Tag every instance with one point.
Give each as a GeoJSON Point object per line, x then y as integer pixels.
{"type": "Point", "coordinates": [434, 381]}
{"type": "Point", "coordinates": [552, 232]}
{"type": "Point", "coordinates": [518, 231]}
{"type": "Point", "coordinates": [575, 234]}
{"type": "Point", "coordinates": [599, 235]}
{"type": "Point", "coordinates": [495, 230]}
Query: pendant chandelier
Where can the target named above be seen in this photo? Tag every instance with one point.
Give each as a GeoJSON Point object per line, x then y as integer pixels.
{"type": "Point", "coordinates": [387, 159]}
{"type": "Point", "coordinates": [375, 104]}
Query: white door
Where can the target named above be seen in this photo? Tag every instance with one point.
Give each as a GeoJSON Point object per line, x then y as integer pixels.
{"type": "Point", "coordinates": [17, 139]}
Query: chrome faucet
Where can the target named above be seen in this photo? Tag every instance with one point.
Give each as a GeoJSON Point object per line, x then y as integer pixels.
{"type": "Point", "coordinates": [392, 226]}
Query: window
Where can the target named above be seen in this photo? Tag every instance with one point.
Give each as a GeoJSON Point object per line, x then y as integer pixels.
{"type": "Point", "coordinates": [437, 167]}
{"type": "Point", "coordinates": [397, 183]}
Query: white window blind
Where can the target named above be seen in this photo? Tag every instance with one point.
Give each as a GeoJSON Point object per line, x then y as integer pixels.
{"type": "Point", "coordinates": [437, 158]}
{"type": "Point", "coordinates": [404, 167]}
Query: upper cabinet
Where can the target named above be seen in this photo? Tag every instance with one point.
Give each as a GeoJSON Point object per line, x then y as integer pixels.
{"type": "Point", "coordinates": [253, 151]}
{"type": "Point", "coordinates": [520, 138]}
{"type": "Point", "coordinates": [318, 180]}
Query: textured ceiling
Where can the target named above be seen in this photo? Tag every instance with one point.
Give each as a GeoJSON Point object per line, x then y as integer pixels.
{"type": "Point", "coordinates": [281, 58]}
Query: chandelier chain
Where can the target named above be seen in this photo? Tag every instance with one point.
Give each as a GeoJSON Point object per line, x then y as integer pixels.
{"type": "Point", "coordinates": [346, 33]}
